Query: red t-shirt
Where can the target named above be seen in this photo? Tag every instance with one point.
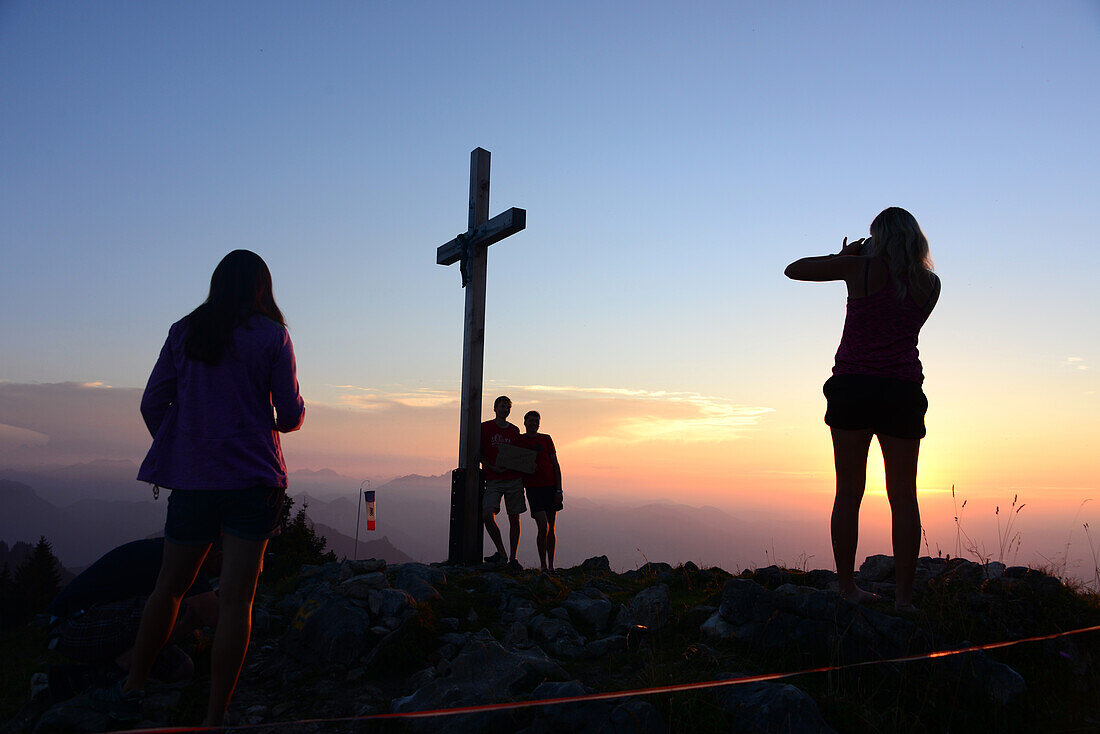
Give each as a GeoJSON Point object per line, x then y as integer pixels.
{"type": "Point", "coordinates": [544, 445]}
{"type": "Point", "coordinates": [492, 436]}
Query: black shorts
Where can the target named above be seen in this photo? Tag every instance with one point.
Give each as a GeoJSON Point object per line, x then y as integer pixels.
{"type": "Point", "coordinates": [200, 516]}
{"type": "Point", "coordinates": [543, 499]}
{"type": "Point", "coordinates": [886, 406]}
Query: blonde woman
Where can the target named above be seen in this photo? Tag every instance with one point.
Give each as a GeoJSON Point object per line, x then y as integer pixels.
{"type": "Point", "coordinates": [876, 387]}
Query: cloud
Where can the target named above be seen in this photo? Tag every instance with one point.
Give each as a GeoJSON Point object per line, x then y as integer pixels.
{"type": "Point", "coordinates": [70, 422]}
{"type": "Point", "coordinates": [14, 437]}
{"type": "Point", "coordinates": [1077, 363]}
{"type": "Point", "coordinates": [370, 398]}
{"type": "Point", "coordinates": [633, 416]}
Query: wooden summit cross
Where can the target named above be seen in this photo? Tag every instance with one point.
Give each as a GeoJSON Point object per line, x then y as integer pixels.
{"type": "Point", "coordinates": [471, 248]}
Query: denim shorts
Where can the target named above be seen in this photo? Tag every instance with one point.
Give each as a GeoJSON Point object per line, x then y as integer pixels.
{"type": "Point", "coordinates": [200, 516]}
{"type": "Point", "coordinates": [885, 405]}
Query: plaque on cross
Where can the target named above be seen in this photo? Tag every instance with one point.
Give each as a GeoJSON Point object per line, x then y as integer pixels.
{"type": "Point", "coordinates": [471, 248]}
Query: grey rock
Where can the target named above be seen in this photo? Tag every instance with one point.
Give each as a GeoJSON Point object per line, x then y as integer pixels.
{"type": "Point", "coordinates": [818, 623]}
{"type": "Point", "coordinates": [419, 580]}
{"type": "Point", "coordinates": [876, 568]}
{"type": "Point", "coordinates": [75, 715]}
{"type": "Point", "coordinates": [482, 672]}
{"type": "Point", "coordinates": [389, 602]}
{"type": "Point", "coordinates": [366, 565]}
{"type": "Point", "coordinates": [604, 646]}
{"type": "Point", "coordinates": [359, 587]}
{"type": "Point", "coordinates": [391, 623]}
{"type": "Point", "coordinates": [431, 574]}
{"type": "Point", "coordinates": [717, 628]}
{"type": "Point", "coordinates": [820, 578]}
{"type": "Point", "coordinates": [772, 707]}
{"type": "Point", "coordinates": [556, 636]}
{"type": "Point", "coordinates": [994, 570]}
{"type": "Point", "coordinates": [771, 576]}
{"type": "Point", "coordinates": [637, 717]}
{"type": "Point", "coordinates": [559, 613]}
{"type": "Point", "coordinates": [590, 608]}
{"type": "Point", "coordinates": [326, 631]}
{"type": "Point", "coordinates": [595, 717]}
{"type": "Point", "coordinates": [450, 624]}
{"type": "Point", "coordinates": [596, 563]}
{"type": "Point", "coordinates": [650, 608]}
{"type": "Point", "coordinates": [517, 635]}
{"type": "Point", "coordinates": [458, 639]}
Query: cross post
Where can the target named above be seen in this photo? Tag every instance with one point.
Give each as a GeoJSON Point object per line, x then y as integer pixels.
{"type": "Point", "coordinates": [471, 248]}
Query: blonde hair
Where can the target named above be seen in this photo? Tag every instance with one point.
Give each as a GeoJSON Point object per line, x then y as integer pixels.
{"type": "Point", "coordinates": [896, 235]}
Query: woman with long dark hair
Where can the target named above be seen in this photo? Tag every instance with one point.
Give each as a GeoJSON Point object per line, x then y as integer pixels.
{"type": "Point", "coordinates": [876, 387]}
{"type": "Point", "coordinates": [222, 390]}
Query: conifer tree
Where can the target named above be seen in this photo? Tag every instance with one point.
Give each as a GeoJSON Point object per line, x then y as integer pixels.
{"type": "Point", "coordinates": [7, 597]}
{"type": "Point", "coordinates": [37, 581]}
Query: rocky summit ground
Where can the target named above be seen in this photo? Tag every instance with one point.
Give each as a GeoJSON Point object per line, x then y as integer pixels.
{"type": "Point", "coordinates": [361, 638]}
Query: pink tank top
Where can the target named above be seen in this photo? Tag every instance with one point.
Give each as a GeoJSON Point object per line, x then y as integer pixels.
{"type": "Point", "coordinates": [880, 336]}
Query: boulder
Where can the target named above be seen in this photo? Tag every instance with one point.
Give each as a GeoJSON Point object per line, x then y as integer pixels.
{"type": "Point", "coordinates": [419, 580]}
{"type": "Point", "coordinates": [876, 568]}
{"type": "Point", "coordinates": [358, 568]}
{"type": "Point", "coordinates": [482, 672]}
{"type": "Point", "coordinates": [590, 608]}
{"type": "Point", "coordinates": [814, 623]}
{"type": "Point", "coordinates": [326, 631]}
{"type": "Point", "coordinates": [359, 587]}
{"type": "Point", "coordinates": [75, 715]}
{"type": "Point", "coordinates": [650, 608]}
{"type": "Point", "coordinates": [772, 708]}
{"type": "Point", "coordinates": [556, 636]}
{"type": "Point", "coordinates": [771, 576]}
{"type": "Point", "coordinates": [596, 563]}
{"type": "Point", "coordinates": [592, 717]}
{"type": "Point", "coordinates": [389, 602]}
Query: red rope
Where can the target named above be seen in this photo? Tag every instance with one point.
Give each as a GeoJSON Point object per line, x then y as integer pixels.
{"type": "Point", "coordinates": [609, 695]}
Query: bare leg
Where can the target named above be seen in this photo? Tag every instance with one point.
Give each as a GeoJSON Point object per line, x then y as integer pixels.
{"type": "Point", "coordinates": [489, 518]}
{"type": "Point", "coordinates": [178, 569]}
{"type": "Point", "coordinates": [240, 571]}
{"type": "Point", "coordinates": [513, 534]}
{"type": "Point", "coordinates": [850, 458]}
{"type": "Point", "coordinates": [900, 457]}
{"type": "Point", "coordinates": [540, 539]}
{"type": "Point", "coordinates": [551, 539]}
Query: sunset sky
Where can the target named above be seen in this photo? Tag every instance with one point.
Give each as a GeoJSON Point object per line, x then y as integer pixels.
{"type": "Point", "coordinates": [672, 160]}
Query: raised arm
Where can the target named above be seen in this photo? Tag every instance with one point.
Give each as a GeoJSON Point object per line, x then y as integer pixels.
{"type": "Point", "coordinates": [841, 266]}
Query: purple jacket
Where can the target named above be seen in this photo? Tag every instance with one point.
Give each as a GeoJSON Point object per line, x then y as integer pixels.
{"type": "Point", "coordinates": [213, 427]}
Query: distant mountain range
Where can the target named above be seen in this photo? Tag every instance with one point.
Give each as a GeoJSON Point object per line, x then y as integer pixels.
{"type": "Point", "coordinates": [87, 509]}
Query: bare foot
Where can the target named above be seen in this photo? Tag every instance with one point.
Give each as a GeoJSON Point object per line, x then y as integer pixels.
{"type": "Point", "coordinates": [859, 596]}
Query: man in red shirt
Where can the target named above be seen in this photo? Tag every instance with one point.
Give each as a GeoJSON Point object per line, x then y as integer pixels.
{"type": "Point", "coordinates": [543, 487]}
{"type": "Point", "coordinates": [501, 482]}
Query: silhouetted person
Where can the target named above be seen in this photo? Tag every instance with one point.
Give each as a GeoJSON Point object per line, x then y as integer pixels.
{"type": "Point", "coordinates": [543, 487]}
{"type": "Point", "coordinates": [209, 406]}
{"type": "Point", "coordinates": [99, 611]}
{"type": "Point", "coordinates": [876, 384]}
{"type": "Point", "coordinates": [501, 483]}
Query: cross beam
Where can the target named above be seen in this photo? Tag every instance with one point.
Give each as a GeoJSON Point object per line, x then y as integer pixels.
{"type": "Point", "coordinates": [471, 247]}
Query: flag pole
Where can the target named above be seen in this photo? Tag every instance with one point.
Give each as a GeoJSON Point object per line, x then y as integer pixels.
{"type": "Point", "coordinates": [358, 509]}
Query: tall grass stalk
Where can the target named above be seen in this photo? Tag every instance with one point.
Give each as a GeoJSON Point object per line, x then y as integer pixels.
{"type": "Point", "coordinates": [1095, 560]}
{"type": "Point", "coordinates": [1006, 537]}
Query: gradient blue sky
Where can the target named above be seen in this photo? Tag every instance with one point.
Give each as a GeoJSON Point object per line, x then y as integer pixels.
{"type": "Point", "coordinates": [672, 159]}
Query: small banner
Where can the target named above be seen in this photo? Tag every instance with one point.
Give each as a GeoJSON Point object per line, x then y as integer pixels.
{"type": "Point", "coordinates": [368, 495]}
